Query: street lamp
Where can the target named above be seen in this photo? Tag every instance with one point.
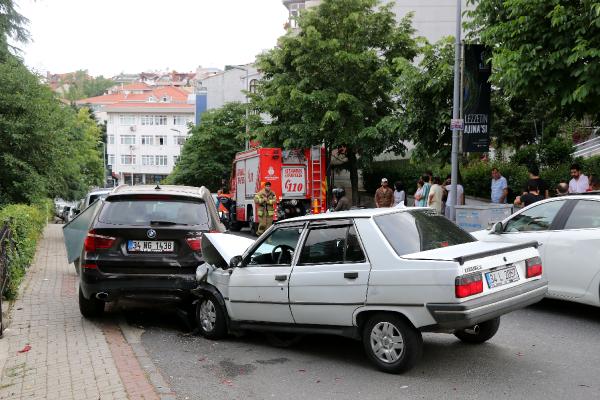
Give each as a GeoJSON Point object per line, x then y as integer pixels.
{"type": "Point", "coordinates": [103, 163]}
{"type": "Point", "coordinates": [242, 68]}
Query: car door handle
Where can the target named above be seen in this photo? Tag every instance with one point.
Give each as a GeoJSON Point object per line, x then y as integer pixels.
{"type": "Point", "coordinates": [281, 278]}
{"type": "Point", "coordinates": [350, 275]}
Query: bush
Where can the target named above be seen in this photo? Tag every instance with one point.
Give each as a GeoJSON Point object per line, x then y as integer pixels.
{"type": "Point", "coordinates": [398, 170]}
{"type": "Point", "coordinates": [26, 223]}
{"type": "Point", "coordinates": [557, 151]}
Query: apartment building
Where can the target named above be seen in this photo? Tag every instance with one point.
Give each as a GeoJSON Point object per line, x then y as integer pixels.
{"type": "Point", "coordinates": [146, 128]}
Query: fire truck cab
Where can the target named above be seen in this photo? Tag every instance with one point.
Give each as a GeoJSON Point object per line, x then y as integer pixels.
{"type": "Point", "coordinates": [298, 178]}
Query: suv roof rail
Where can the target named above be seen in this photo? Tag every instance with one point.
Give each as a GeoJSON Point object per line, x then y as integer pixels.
{"type": "Point", "coordinates": [120, 188]}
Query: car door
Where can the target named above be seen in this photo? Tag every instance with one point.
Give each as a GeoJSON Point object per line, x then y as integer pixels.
{"type": "Point", "coordinates": [330, 278]}
{"type": "Point", "coordinates": [258, 289]}
{"type": "Point", "coordinates": [574, 252]}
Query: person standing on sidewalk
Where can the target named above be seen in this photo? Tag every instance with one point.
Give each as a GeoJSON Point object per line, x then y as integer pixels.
{"type": "Point", "coordinates": [399, 194]}
{"type": "Point", "coordinates": [579, 182]}
{"type": "Point", "coordinates": [419, 193]}
{"type": "Point", "coordinates": [534, 178]}
{"type": "Point", "coordinates": [460, 194]}
{"type": "Point", "coordinates": [265, 208]}
{"type": "Point", "coordinates": [533, 195]}
{"type": "Point", "coordinates": [384, 196]}
{"type": "Point", "coordinates": [435, 195]}
{"type": "Point", "coordinates": [499, 187]}
{"type": "Point", "coordinates": [426, 187]}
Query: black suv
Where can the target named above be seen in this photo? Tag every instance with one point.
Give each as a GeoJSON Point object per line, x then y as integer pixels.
{"type": "Point", "coordinates": [144, 242]}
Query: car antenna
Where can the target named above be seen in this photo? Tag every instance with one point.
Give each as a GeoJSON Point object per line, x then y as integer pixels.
{"type": "Point", "coordinates": [157, 186]}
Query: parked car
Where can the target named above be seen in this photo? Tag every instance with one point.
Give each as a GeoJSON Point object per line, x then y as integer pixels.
{"type": "Point", "coordinates": [568, 231]}
{"type": "Point", "coordinates": [141, 242]}
{"type": "Point", "coordinates": [92, 196]}
{"type": "Point", "coordinates": [379, 275]}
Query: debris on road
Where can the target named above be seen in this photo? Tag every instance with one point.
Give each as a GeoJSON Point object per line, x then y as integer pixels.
{"type": "Point", "coordinates": [25, 349]}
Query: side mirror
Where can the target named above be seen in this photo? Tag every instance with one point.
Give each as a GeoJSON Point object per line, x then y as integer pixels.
{"type": "Point", "coordinates": [236, 262]}
{"type": "Point", "coordinates": [498, 228]}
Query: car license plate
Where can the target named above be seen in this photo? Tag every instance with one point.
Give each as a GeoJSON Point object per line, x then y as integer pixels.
{"type": "Point", "coordinates": [502, 277]}
{"type": "Point", "coordinates": [150, 246]}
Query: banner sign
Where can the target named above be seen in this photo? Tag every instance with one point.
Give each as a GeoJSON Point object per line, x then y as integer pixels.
{"type": "Point", "coordinates": [476, 99]}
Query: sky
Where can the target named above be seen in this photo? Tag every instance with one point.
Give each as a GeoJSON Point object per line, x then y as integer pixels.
{"type": "Point", "coordinates": [108, 37]}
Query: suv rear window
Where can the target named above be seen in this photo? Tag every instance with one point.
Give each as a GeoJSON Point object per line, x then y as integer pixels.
{"type": "Point", "coordinates": [420, 230]}
{"type": "Point", "coordinates": [131, 211]}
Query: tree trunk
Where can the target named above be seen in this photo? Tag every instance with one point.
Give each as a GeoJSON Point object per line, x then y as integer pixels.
{"type": "Point", "coordinates": [353, 168]}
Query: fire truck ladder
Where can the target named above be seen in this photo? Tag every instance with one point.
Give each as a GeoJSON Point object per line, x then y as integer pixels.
{"type": "Point", "coordinates": [316, 179]}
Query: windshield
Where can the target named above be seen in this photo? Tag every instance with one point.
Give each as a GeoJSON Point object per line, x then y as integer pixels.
{"type": "Point", "coordinates": [420, 230]}
{"type": "Point", "coordinates": [147, 212]}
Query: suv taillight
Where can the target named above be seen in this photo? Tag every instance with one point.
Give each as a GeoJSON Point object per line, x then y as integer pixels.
{"type": "Point", "coordinates": [94, 242]}
{"type": "Point", "coordinates": [533, 266]}
{"type": "Point", "coordinates": [195, 243]}
{"type": "Point", "coordinates": [468, 285]}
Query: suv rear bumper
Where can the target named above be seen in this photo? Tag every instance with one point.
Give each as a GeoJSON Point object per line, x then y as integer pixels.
{"type": "Point", "coordinates": [151, 287]}
{"type": "Point", "coordinates": [472, 312]}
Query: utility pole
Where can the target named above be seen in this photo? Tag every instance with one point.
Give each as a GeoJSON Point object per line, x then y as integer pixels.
{"type": "Point", "coordinates": [456, 111]}
{"type": "Point", "coordinates": [247, 69]}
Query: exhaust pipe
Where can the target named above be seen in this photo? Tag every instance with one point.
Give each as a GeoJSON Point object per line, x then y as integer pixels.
{"type": "Point", "coordinates": [473, 330]}
{"type": "Point", "coordinates": [102, 296]}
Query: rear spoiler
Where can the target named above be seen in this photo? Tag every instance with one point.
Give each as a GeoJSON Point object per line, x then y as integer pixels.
{"type": "Point", "coordinates": [462, 259]}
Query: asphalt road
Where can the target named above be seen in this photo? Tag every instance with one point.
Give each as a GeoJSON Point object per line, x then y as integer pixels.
{"type": "Point", "coordinates": [548, 351]}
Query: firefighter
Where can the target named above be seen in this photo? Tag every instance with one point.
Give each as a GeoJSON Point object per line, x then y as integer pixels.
{"type": "Point", "coordinates": [265, 207]}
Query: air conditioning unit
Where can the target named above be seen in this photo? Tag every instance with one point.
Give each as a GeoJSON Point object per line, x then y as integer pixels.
{"type": "Point", "coordinates": [132, 128]}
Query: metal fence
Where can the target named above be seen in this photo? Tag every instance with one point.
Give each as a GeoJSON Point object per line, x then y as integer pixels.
{"type": "Point", "coordinates": [6, 245]}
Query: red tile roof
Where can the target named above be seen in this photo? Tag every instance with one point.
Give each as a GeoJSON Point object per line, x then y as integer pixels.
{"type": "Point", "coordinates": [157, 106]}
{"type": "Point", "coordinates": [175, 95]}
{"type": "Point", "coordinates": [134, 86]}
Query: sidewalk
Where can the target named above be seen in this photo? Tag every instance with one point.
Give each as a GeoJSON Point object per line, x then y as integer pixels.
{"type": "Point", "coordinates": [50, 352]}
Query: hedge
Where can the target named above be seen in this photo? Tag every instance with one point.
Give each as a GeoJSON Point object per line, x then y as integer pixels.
{"type": "Point", "coordinates": [476, 176]}
{"type": "Point", "coordinates": [26, 223]}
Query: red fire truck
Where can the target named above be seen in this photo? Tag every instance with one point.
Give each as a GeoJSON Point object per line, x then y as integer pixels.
{"type": "Point", "coordinates": [298, 178]}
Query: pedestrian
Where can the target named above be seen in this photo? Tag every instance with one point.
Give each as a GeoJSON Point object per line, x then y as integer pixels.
{"type": "Point", "coordinates": [435, 195]}
{"type": "Point", "coordinates": [594, 184]}
{"type": "Point", "coordinates": [384, 196]}
{"type": "Point", "coordinates": [579, 183]}
{"type": "Point", "coordinates": [342, 202]}
{"type": "Point", "coordinates": [534, 177]}
{"type": "Point", "coordinates": [562, 188]}
{"type": "Point", "coordinates": [265, 207]}
{"type": "Point", "coordinates": [460, 194]}
{"type": "Point", "coordinates": [533, 194]}
{"type": "Point", "coordinates": [499, 187]}
{"type": "Point", "coordinates": [419, 193]}
{"type": "Point", "coordinates": [426, 178]}
{"type": "Point", "coordinates": [399, 194]}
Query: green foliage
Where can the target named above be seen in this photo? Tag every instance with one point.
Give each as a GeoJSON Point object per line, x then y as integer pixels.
{"type": "Point", "coordinates": [46, 149]}
{"type": "Point", "coordinates": [81, 85]}
{"type": "Point", "coordinates": [557, 151]}
{"type": "Point", "coordinates": [332, 81]}
{"type": "Point", "coordinates": [554, 175]}
{"type": "Point", "coordinates": [394, 170]}
{"type": "Point", "coordinates": [477, 178]}
{"type": "Point", "coordinates": [544, 49]}
{"type": "Point", "coordinates": [26, 223]}
{"type": "Point", "coordinates": [12, 25]}
{"type": "Point", "coordinates": [207, 155]}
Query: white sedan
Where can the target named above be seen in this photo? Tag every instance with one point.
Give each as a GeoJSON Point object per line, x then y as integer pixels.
{"type": "Point", "coordinates": [568, 231]}
{"type": "Point", "coordinates": [382, 276]}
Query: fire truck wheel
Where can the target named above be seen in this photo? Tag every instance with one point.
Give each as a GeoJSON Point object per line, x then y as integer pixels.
{"type": "Point", "coordinates": [235, 226]}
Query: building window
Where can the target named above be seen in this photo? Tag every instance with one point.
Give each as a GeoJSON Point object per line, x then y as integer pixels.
{"type": "Point", "coordinates": [127, 159]}
{"type": "Point", "coordinates": [180, 140]}
{"type": "Point", "coordinates": [111, 159]}
{"type": "Point", "coordinates": [253, 86]}
{"type": "Point", "coordinates": [126, 119]}
{"type": "Point", "coordinates": [148, 140]}
{"type": "Point", "coordinates": [179, 120]}
{"type": "Point", "coordinates": [161, 140]}
{"type": "Point", "coordinates": [175, 160]}
{"type": "Point", "coordinates": [127, 139]}
{"type": "Point", "coordinates": [111, 139]}
{"type": "Point", "coordinates": [147, 160]}
{"type": "Point", "coordinates": [161, 160]}
{"type": "Point", "coordinates": [154, 120]}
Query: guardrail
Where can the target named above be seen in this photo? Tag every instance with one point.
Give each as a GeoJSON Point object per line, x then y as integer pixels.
{"type": "Point", "coordinates": [588, 148]}
{"type": "Point", "coordinates": [6, 246]}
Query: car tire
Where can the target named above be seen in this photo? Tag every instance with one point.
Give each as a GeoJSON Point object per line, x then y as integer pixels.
{"type": "Point", "coordinates": [391, 343]}
{"type": "Point", "coordinates": [90, 308]}
{"type": "Point", "coordinates": [210, 318]}
{"type": "Point", "coordinates": [77, 265]}
{"type": "Point", "coordinates": [479, 333]}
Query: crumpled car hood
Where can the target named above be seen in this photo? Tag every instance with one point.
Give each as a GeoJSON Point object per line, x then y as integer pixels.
{"type": "Point", "coordinates": [219, 248]}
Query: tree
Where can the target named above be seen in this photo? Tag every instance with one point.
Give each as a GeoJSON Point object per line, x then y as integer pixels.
{"type": "Point", "coordinates": [330, 83]}
{"type": "Point", "coordinates": [12, 25]}
{"type": "Point", "coordinates": [81, 85]}
{"type": "Point", "coordinates": [544, 49]}
{"type": "Point", "coordinates": [207, 155]}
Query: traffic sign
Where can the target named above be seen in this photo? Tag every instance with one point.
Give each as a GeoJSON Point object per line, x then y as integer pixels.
{"type": "Point", "coordinates": [457, 123]}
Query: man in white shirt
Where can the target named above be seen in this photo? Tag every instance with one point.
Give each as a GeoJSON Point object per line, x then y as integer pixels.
{"type": "Point", "coordinates": [579, 182]}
